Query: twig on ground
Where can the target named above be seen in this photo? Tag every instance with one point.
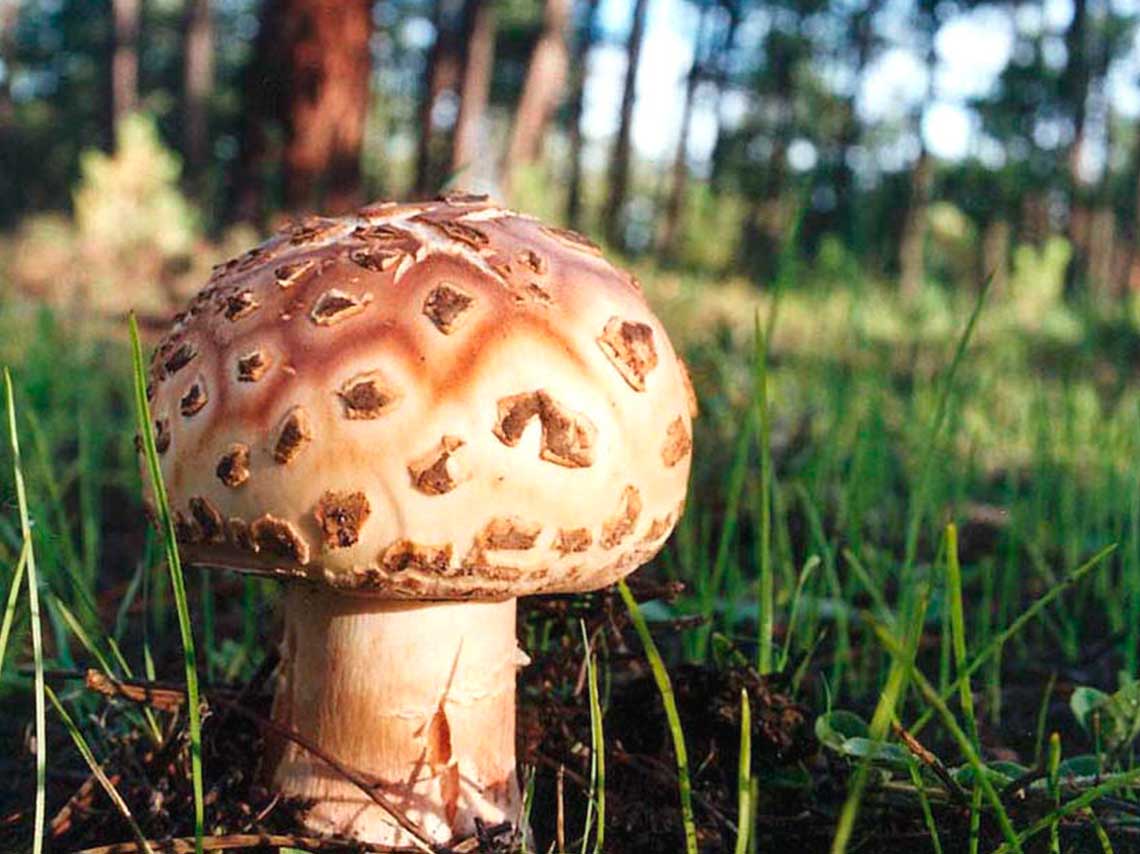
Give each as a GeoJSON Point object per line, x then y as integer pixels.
{"type": "Point", "coordinates": [141, 692]}
{"type": "Point", "coordinates": [932, 762]}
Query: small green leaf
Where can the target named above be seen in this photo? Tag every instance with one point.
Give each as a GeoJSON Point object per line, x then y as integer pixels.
{"type": "Point", "coordinates": [1084, 702]}
{"type": "Point", "coordinates": [1085, 765]}
{"type": "Point", "coordinates": [834, 728]}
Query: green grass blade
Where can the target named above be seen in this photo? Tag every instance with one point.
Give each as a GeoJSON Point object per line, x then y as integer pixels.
{"type": "Point", "coordinates": [934, 430]}
{"type": "Point", "coordinates": [1053, 768]}
{"type": "Point", "coordinates": [744, 777]}
{"type": "Point", "coordinates": [34, 614]}
{"type": "Point", "coordinates": [897, 678]}
{"type": "Point", "coordinates": [97, 770]}
{"type": "Point", "coordinates": [766, 604]}
{"type": "Point", "coordinates": [597, 749]}
{"type": "Point", "coordinates": [10, 606]}
{"type": "Point", "coordinates": [899, 653]}
{"type": "Point", "coordinates": [1027, 616]}
{"type": "Point", "coordinates": [924, 803]}
{"type": "Point", "coordinates": [665, 687]}
{"type": "Point", "coordinates": [810, 565]}
{"type": "Point", "coordinates": [1124, 780]}
{"type": "Point", "coordinates": [177, 583]}
{"type": "Point", "coordinates": [85, 640]}
{"type": "Point", "coordinates": [958, 630]}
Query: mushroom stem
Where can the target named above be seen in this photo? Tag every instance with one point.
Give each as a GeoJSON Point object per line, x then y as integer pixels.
{"type": "Point", "coordinates": [419, 696]}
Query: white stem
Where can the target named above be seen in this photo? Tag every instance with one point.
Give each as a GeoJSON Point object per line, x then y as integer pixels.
{"type": "Point", "coordinates": [419, 696]}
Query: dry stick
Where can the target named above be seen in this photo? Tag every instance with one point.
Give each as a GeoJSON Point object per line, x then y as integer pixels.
{"type": "Point", "coordinates": [932, 762]}
{"type": "Point", "coordinates": [107, 685]}
{"type": "Point", "coordinates": [100, 775]}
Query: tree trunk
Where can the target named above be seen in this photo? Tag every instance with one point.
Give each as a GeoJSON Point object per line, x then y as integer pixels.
{"type": "Point", "coordinates": [478, 38]}
{"type": "Point", "coordinates": [679, 178]}
{"type": "Point", "coordinates": [308, 80]}
{"type": "Point", "coordinates": [619, 161]}
{"type": "Point", "coordinates": [197, 85]}
{"type": "Point", "coordinates": [326, 46]}
{"type": "Point", "coordinates": [542, 90]}
{"type": "Point", "coordinates": [1074, 86]}
{"type": "Point", "coordinates": [578, 88]}
{"type": "Point", "coordinates": [720, 146]}
{"type": "Point", "coordinates": [1075, 83]}
{"type": "Point", "coordinates": [443, 68]}
{"type": "Point", "coordinates": [125, 59]}
{"type": "Point", "coordinates": [847, 209]}
{"type": "Point", "coordinates": [912, 245]}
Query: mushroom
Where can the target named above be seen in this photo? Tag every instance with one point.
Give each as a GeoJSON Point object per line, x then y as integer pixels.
{"type": "Point", "coordinates": [415, 415]}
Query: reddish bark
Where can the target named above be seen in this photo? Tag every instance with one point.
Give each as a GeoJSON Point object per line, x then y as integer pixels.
{"type": "Point", "coordinates": [197, 82]}
{"type": "Point", "coordinates": [310, 78]}
{"type": "Point", "coordinates": [478, 38]}
{"type": "Point", "coordinates": [125, 59]}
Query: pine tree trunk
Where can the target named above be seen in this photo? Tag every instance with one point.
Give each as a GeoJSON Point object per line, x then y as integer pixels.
{"type": "Point", "coordinates": [9, 14]}
{"type": "Point", "coordinates": [197, 84]}
{"type": "Point", "coordinates": [542, 90]}
{"type": "Point", "coordinates": [578, 87]}
{"type": "Point", "coordinates": [847, 210]}
{"type": "Point", "coordinates": [125, 59]}
{"type": "Point", "coordinates": [306, 85]}
{"type": "Point", "coordinates": [619, 161]}
{"type": "Point", "coordinates": [478, 38]}
{"type": "Point", "coordinates": [327, 101]}
{"type": "Point", "coordinates": [720, 146]}
{"type": "Point", "coordinates": [679, 178]}
{"type": "Point", "coordinates": [443, 68]}
{"type": "Point", "coordinates": [1074, 85]}
{"type": "Point", "coordinates": [912, 245]}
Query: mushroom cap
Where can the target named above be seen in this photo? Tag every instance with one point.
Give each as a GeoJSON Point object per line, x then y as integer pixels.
{"type": "Point", "coordinates": [441, 400]}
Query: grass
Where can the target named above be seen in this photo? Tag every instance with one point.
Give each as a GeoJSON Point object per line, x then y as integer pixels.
{"type": "Point", "coordinates": [834, 448]}
{"type": "Point", "coordinates": [676, 732]}
{"type": "Point", "coordinates": [28, 555]}
{"type": "Point", "coordinates": [145, 424]}
{"type": "Point", "coordinates": [744, 777]}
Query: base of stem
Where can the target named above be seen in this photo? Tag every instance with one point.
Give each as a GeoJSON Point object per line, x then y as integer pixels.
{"type": "Point", "coordinates": [419, 697]}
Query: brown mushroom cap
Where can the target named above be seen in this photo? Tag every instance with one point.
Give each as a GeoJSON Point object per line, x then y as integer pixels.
{"type": "Point", "coordinates": [440, 400]}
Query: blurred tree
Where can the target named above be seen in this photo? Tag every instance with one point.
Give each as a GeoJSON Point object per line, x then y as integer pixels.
{"type": "Point", "coordinates": [443, 66]}
{"type": "Point", "coordinates": [612, 216]}
{"type": "Point", "coordinates": [858, 48]}
{"type": "Point", "coordinates": [477, 35]}
{"type": "Point", "coordinates": [585, 41]}
{"type": "Point", "coordinates": [912, 239]}
{"type": "Point", "coordinates": [679, 177]}
{"type": "Point", "coordinates": [542, 90]}
{"type": "Point", "coordinates": [197, 86]}
{"type": "Point", "coordinates": [721, 75]}
{"type": "Point", "coordinates": [125, 58]}
{"type": "Point", "coordinates": [787, 100]}
{"type": "Point", "coordinates": [308, 85]}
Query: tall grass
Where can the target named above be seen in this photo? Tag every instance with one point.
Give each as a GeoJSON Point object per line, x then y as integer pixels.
{"type": "Point", "coordinates": [178, 585]}
{"type": "Point", "coordinates": [676, 731]}
{"type": "Point", "coordinates": [28, 555]}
